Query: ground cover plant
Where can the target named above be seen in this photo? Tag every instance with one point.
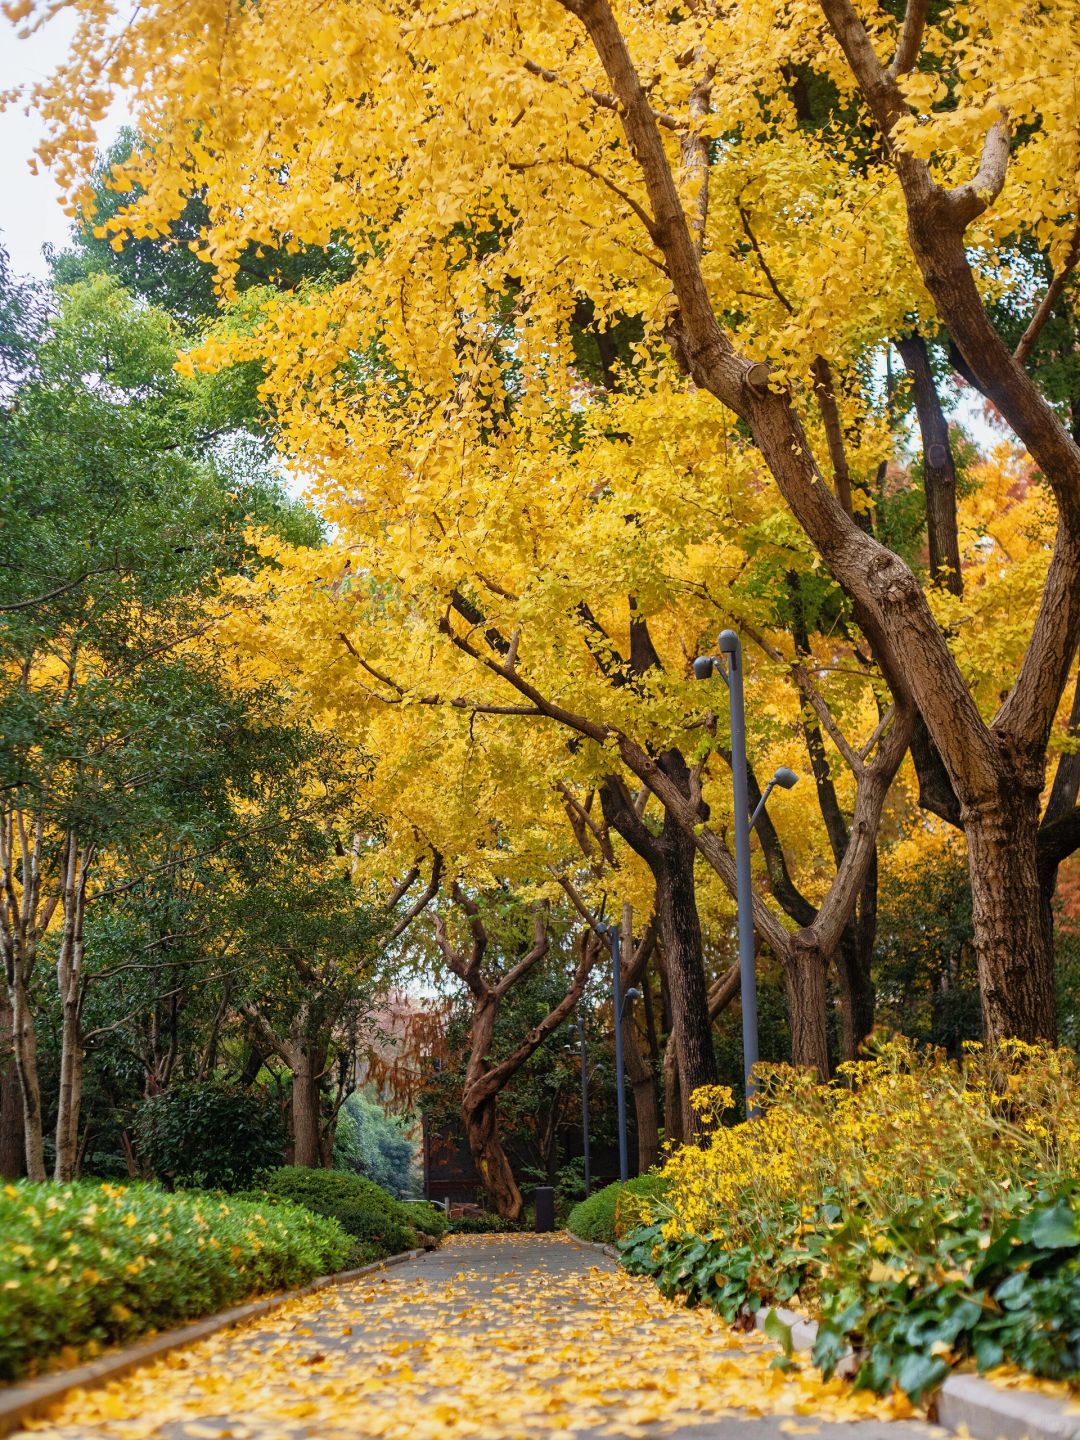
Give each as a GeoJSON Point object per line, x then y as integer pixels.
{"type": "Point", "coordinates": [609, 1214]}
{"type": "Point", "coordinates": [87, 1265]}
{"type": "Point", "coordinates": [379, 1224]}
{"type": "Point", "coordinates": [925, 1213]}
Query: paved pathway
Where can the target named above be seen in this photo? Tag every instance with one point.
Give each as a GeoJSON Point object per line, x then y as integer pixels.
{"type": "Point", "coordinates": [489, 1338]}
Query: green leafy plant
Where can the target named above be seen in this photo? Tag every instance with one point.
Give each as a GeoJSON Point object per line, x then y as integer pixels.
{"type": "Point", "coordinates": [87, 1265]}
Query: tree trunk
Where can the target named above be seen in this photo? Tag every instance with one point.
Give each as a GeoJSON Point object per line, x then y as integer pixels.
{"type": "Point", "coordinates": [1013, 951]}
{"type": "Point", "coordinates": [25, 1045]}
{"type": "Point", "coordinates": [69, 982]}
{"type": "Point", "coordinates": [804, 977]}
{"type": "Point", "coordinates": [857, 994]}
{"type": "Point", "coordinates": [496, 1176]}
{"type": "Point", "coordinates": [939, 472]}
{"type": "Point", "coordinates": [479, 1108]}
{"type": "Point", "coordinates": [305, 1113]}
{"type": "Point", "coordinates": [647, 1119]}
{"type": "Point", "coordinates": [674, 1133]}
{"type": "Point", "coordinates": [11, 1121]}
{"type": "Point", "coordinates": [681, 929]}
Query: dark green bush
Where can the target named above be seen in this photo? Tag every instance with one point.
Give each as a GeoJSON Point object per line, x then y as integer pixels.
{"type": "Point", "coordinates": [87, 1265]}
{"type": "Point", "coordinates": [485, 1225]}
{"type": "Point", "coordinates": [431, 1219]}
{"type": "Point", "coordinates": [379, 1224]}
{"type": "Point", "coordinates": [216, 1136]}
{"type": "Point", "coordinates": [602, 1218]}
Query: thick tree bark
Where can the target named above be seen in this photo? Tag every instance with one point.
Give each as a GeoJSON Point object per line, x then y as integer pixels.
{"type": "Point", "coordinates": [11, 1122]}
{"type": "Point", "coordinates": [494, 1169]}
{"type": "Point", "coordinates": [804, 981]}
{"type": "Point", "coordinates": [1013, 952]}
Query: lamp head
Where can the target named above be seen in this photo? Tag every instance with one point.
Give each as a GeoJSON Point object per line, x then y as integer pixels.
{"type": "Point", "coordinates": [728, 642]}
{"type": "Point", "coordinates": [703, 667]}
{"type": "Point", "coordinates": [633, 993]}
{"type": "Point", "coordinates": [785, 778]}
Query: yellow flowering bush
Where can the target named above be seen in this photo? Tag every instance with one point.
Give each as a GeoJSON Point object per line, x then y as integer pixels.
{"type": "Point", "coordinates": [897, 1204]}
{"type": "Point", "coordinates": [85, 1265]}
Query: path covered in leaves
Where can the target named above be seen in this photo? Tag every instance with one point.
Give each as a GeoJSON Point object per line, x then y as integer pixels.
{"type": "Point", "coordinates": [489, 1338]}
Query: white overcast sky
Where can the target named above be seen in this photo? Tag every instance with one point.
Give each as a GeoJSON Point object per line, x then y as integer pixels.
{"type": "Point", "coordinates": [30, 213]}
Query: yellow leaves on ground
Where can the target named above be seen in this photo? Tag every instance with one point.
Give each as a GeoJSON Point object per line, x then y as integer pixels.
{"type": "Point", "coordinates": [445, 1347]}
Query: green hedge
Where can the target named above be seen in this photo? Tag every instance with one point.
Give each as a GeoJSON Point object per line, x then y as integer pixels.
{"type": "Point", "coordinates": [87, 1265]}
{"type": "Point", "coordinates": [485, 1225]}
{"type": "Point", "coordinates": [602, 1218]}
{"type": "Point", "coordinates": [379, 1224]}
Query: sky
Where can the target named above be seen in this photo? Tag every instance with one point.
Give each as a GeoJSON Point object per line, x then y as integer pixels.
{"type": "Point", "coordinates": [30, 212]}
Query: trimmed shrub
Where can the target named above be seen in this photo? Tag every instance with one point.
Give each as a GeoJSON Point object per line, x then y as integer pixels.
{"type": "Point", "coordinates": [609, 1214]}
{"type": "Point", "coordinates": [86, 1265]}
{"type": "Point", "coordinates": [379, 1224]}
{"type": "Point", "coordinates": [485, 1225]}
{"type": "Point", "coordinates": [207, 1135]}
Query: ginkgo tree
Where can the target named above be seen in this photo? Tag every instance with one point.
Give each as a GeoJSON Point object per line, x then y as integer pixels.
{"type": "Point", "coordinates": [492, 169]}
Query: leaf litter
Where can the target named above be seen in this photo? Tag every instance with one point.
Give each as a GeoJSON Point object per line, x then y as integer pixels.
{"type": "Point", "coordinates": [544, 1350]}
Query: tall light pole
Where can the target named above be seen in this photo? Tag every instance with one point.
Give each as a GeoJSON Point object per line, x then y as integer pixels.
{"type": "Point", "coordinates": [732, 676]}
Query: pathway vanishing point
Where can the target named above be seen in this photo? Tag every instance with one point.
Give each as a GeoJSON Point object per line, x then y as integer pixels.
{"type": "Point", "coordinates": [488, 1338]}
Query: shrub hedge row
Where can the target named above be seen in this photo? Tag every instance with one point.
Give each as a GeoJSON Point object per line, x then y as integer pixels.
{"type": "Point", "coordinates": [86, 1265]}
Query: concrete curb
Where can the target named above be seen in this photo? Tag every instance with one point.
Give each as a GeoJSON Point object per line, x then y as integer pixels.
{"type": "Point", "coordinates": [608, 1250]}
{"type": "Point", "coordinates": [966, 1403]}
{"type": "Point", "coordinates": [32, 1397]}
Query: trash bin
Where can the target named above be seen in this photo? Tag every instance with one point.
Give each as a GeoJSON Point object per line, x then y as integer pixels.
{"type": "Point", "coordinates": [545, 1207]}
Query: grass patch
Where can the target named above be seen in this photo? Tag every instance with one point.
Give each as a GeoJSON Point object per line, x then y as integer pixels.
{"type": "Point", "coordinates": [611, 1213]}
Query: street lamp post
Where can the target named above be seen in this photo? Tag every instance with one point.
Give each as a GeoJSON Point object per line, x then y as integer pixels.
{"type": "Point", "coordinates": [732, 676]}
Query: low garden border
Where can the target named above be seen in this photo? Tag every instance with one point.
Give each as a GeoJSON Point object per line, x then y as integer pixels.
{"type": "Point", "coordinates": [28, 1399]}
{"type": "Point", "coordinates": [967, 1403]}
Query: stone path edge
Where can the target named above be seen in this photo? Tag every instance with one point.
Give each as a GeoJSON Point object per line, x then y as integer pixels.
{"type": "Point", "coordinates": [965, 1403]}
{"type": "Point", "coordinates": [31, 1398]}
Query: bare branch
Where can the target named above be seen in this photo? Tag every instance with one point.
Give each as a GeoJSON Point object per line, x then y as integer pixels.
{"type": "Point", "coordinates": [598, 97]}
{"type": "Point", "coordinates": [967, 202]}
{"type": "Point", "coordinates": [1049, 300]}
{"type": "Point", "coordinates": [911, 33]}
{"type": "Point", "coordinates": [422, 901]}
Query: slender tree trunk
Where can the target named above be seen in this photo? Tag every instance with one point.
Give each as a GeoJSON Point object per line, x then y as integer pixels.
{"type": "Point", "coordinates": [674, 1133]}
{"type": "Point", "coordinates": [804, 977]}
{"type": "Point", "coordinates": [857, 994]}
{"type": "Point", "coordinates": [11, 1120]}
{"type": "Point", "coordinates": [70, 982]}
{"type": "Point", "coordinates": [1013, 951]}
{"type": "Point", "coordinates": [939, 472]}
{"type": "Point", "coordinates": [25, 1044]}
{"type": "Point", "coordinates": [639, 1073]}
{"type": "Point", "coordinates": [305, 1112]}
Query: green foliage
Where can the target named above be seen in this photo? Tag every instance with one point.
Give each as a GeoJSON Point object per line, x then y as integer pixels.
{"type": "Point", "coordinates": [380, 1224]}
{"type": "Point", "coordinates": [87, 1265]}
{"type": "Point", "coordinates": [606, 1215]}
{"type": "Point", "coordinates": [936, 1285]}
{"type": "Point", "coordinates": [211, 1135]}
{"type": "Point", "coordinates": [373, 1143]}
{"type": "Point", "coordinates": [485, 1225]}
